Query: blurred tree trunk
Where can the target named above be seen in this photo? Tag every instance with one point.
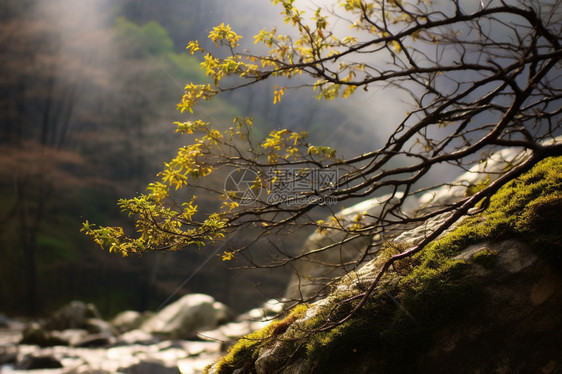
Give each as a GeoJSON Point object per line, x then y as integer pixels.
{"type": "Point", "coordinates": [28, 228]}
{"type": "Point", "coordinates": [38, 100]}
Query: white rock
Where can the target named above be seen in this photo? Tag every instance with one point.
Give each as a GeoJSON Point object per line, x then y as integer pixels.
{"type": "Point", "coordinates": [266, 312]}
{"type": "Point", "coordinates": [127, 320]}
{"type": "Point", "coordinates": [183, 318]}
{"type": "Point", "coordinates": [198, 364]}
{"type": "Point", "coordinates": [233, 330]}
{"type": "Point", "coordinates": [71, 316]}
{"type": "Point", "coordinates": [136, 337]}
{"type": "Point", "coordinates": [72, 336]}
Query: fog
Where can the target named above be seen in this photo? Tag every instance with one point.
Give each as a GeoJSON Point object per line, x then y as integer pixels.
{"type": "Point", "coordinates": [89, 94]}
{"type": "Point", "coordinates": [90, 90]}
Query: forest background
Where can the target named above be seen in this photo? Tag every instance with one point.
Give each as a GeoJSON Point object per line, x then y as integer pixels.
{"type": "Point", "coordinates": [88, 94]}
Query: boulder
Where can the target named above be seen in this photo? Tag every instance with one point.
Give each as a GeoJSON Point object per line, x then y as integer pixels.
{"type": "Point", "coordinates": [136, 337]}
{"type": "Point", "coordinates": [97, 354]}
{"type": "Point", "coordinates": [4, 321]}
{"type": "Point", "coordinates": [71, 337]}
{"type": "Point", "coordinates": [127, 320]}
{"type": "Point", "coordinates": [94, 341]}
{"type": "Point", "coordinates": [312, 275]}
{"type": "Point", "coordinates": [196, 365]}
{"type": "Point", "coordinates": [34, 362]}
{"type": "Point", "coordinates": [98, 326]}
{"type": "Point", "coordinates": [268, 310]}
{"type": "Point", "coordinates": [72, 316]}
{"type": "Point", "coordinates": [95, 333]}
{"type": "Point", "coordinates": [521, 295]}
{"type": "Point", "coordinates": [518, 300]}
{"type": "Point", "coordinates": [183, 318]}
{"type": "Point", "coordinates": [12, 333]}
{"type": "Point", "coordinates": [35, 334]}
{"type": "Point", "coordinates": [151, 367]}
{"type": "Point", "coordinates": [8, 355]}
{"type": "Point", "coordinates": [483, 298]}
{"type": "Point", "coordinates": [87, 370]}
{"type": "Point", "coordinates": [231, 331]}
{"type": "Point", "coordinates": [246, 323]}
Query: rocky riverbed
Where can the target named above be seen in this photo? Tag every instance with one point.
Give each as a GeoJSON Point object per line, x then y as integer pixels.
{"type": "Point", "coordinates": [183, 337]}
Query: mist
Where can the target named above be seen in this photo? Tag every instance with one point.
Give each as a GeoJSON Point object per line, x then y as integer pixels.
{"type": "Point", "coordinates": [90, 90]}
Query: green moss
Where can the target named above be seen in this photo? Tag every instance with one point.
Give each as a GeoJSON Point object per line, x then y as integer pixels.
{"type": "Point", "coordinates": [540, 224]}
{"type": "Point", "coordinates": [485, 258]}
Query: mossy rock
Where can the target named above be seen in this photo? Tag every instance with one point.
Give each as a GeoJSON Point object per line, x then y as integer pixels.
{"type": "Point", "coordinates": [417, 308]}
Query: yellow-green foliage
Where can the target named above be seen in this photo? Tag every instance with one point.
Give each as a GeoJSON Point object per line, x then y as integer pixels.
{"type": "Point", "coordinates": [245, 352]}
{"type": "Point", "coordinates": [400, 318]}
{"type": "Point", "coordinates": [313, 42]}
{"type": "Point", "coordinates": [163, 224]}
{"type": "Point", "coordinates": [160, 223]}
